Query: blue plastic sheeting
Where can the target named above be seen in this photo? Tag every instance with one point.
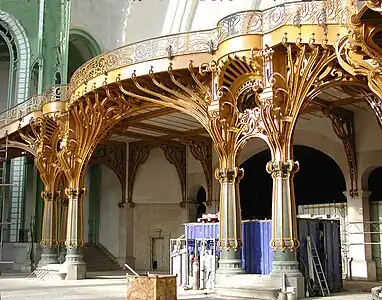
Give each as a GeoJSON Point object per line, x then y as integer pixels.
{"type": "Point", "coordinates": [257, 255]}
{"type": "Point", "coordinates": [195, 231]}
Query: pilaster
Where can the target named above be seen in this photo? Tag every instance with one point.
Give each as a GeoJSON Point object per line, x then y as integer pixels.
{"type": "Point", "coordinates": [126, 235]}
{"type": "Point", "coordinates": [362, 265]}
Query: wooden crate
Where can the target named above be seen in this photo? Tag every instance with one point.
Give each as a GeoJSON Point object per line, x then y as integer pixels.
{"type": "Point", "coordinates": [151, 287]}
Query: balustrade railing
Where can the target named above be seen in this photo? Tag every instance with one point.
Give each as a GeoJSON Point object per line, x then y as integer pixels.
{"type": "Point", "coordinates": [294, 13]}
{"type": "Point", "coordinates": [32, 104]}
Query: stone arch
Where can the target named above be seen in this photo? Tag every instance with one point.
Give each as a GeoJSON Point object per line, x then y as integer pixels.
{"type": "Point", "coordinates": [23, 48]}
{"type": "Point", "coordinates": [311, 139]}
{"type": "Point", "coordinates": [256, 202]}
{"type": "Point", "coordinates": [82, 47]}
{"type": "Point", "coordinates": [366, 175]}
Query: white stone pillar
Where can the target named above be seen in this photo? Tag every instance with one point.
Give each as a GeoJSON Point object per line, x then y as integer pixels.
{"type": "Point", "coordinates": [130, 259]}
{"type": "Point", "coordinates": [126, 235]}
{"type": "Point", "coordinates": [122, 236]}
{"type": "Point", "coordinates": [361, 262]}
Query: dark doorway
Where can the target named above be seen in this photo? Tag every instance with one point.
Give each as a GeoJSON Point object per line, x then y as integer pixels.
{"type": "Point", "coordinates": [374, 184]}
{"type": "Point", "coordinates": [319, 180]}
{"type": "Point", "coordinates": [201, 198]}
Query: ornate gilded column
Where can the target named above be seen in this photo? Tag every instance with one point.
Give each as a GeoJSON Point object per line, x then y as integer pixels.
{"type": "Point", "coordinates": [230, 220]}
{"type": "Point", "coordinates": [49, 241]}
{"type": "Point", "coordinates": [75, 233]}
{"type": "Point", "coordinates": [44, 139]}
{"type": "Point", "coordinates": [82, 127]}
{"type": "Point", "coordinates": [298, 72]}
{"type": "Point", "coordinates": [284, 221]}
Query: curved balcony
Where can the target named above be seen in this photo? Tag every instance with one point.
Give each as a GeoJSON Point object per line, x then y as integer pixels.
{"type": "Point", "coordinates": [19, 115]}
{"type": "Point", "coordinates": [237, 33]}
{"type": "Point", "coordinates": [268, 25]}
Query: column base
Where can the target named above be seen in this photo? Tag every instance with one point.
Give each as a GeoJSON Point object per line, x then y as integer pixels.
{"type": "Point", "coordinates": [293, 276]}
{"type": "Point", "coordinates": [230, 262]}
{"type": "Point", "coordinates": [61, 255]}
{"type": "Point", "coordinates": [49, 256]}
{"type": "Point", "coordinates": [75, 265]}
{"type": "Point", "coordinates": [363, 270]}
{"type": "Point", "coordinates": [229, 267]}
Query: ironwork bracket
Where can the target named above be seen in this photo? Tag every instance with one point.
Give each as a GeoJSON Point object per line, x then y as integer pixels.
{"type": "Point", "coordinates": [201, 150]}
{"type": "Point", "coordinates": [343, 125]}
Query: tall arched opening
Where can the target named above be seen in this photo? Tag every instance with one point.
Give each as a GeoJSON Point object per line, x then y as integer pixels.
{"type": "Point", "coordinates": [319, 180]}
{"type": "Point", "coordinates": [14, 81]}
{"type": "Point", "coordinates": [82, 47]}
{"type": "Point", "coordinates": [375, 203]}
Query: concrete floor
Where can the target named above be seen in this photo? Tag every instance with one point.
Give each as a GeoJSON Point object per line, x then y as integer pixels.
{"type": "Point", "coordinates": [17, 287]}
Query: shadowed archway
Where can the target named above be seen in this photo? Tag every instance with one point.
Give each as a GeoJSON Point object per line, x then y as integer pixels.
{"type": "Point", "coordinates": [82, 47]}
{"type": "Point", "coordinates": [319, 180]}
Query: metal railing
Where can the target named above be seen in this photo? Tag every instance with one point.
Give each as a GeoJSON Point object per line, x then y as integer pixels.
{"type": "Point", "coordinates": [32, 104]}
{"type": "Point", "coordinates": [293, 13]}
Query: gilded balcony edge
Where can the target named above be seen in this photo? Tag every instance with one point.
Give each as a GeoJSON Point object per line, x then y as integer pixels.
{"type": "Point", "coordinates": [229, 46]}
{"type": "Point", "coordinates": [299, 13]}
{"type": "Point", "coordinates": [19, 115]}
{"type": "Point", "coordinates": [295, 18]}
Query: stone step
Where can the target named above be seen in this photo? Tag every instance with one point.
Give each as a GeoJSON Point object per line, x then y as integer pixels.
{"type": "Point", "coordinates": [98, 261]}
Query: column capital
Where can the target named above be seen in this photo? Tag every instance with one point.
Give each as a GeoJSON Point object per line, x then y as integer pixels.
{"type": "Point", "coordinates": [75, 192]}
{"type": "Point", "coordinates": [50, 196]}
{"type": "Point", "coordinates": [278, 168]}
{"type": "Point", "coordinates": [360, 194]}
{"type": "Point", "coordinates": [229, 174]}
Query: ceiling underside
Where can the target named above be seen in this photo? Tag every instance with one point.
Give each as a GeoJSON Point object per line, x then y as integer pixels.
{"type": "Point", "coordinates": [161, 124]}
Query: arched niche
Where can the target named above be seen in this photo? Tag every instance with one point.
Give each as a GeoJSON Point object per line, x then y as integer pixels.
{"type": "Point", "coordinates": [319, 180]}
{"type": "Point", "coordinates": [82, 47]}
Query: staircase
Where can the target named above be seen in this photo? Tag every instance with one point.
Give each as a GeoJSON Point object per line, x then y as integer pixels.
{"type": "Point", "coordinates": [98, 259]}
